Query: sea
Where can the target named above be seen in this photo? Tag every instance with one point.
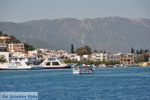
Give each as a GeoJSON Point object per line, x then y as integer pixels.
{"type": "Point", "coordinates": [131, 83]}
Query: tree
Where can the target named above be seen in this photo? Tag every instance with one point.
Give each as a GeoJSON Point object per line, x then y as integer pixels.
{"type": "Point", "coordinates": [83, 50]}
{"type": "Point", "coordinates": [101, 51]}
{"type": "Point", "coordinates": [132, 50]}
{"type": "Point", "coordinates": [105, 51]}
{"type": "Point", "coordinates": [141, 51]}
{"type": "Point", "coordinates": [72, 48]}
{"type": "Point", "coordinates": [14, 39]}
{"type": "Point", "coordinates": [1, 33]}
{"type": "Point", "coordinates": [88, 49]}
{"type": "Point", "coordinates": [146, 50]}
{"type": "Point", "coordinates": [28, 47]}
{"type": "Point", "coordinates": [95, 51]}
{"type": "Point", "coordinates": [137, 52]}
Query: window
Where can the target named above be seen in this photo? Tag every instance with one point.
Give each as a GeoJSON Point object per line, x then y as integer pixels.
{"type": "Point", "coordinates": [48, 63]}
{"type": "Point", "coordinates": [55, 63]}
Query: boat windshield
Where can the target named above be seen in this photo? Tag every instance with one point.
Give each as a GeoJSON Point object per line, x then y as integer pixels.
{"type": "Point", "coordinates": [51, 59]}
{"type": "Point", "coordinates": [55, 63]}
{"type": "Point", "coordinates": [48, 63]}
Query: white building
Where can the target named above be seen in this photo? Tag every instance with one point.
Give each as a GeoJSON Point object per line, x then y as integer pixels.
{"type": "Point", "coordinates": [105, 57]}
{"type": "Point", "coordinates": [34, 52]}
{"type": "Point", "coordinates": [86, 57]}
{"type": "Point", "coordinates": [75, 57]}
{"type": "Point", "coordinates": [96, 57]}
{"type": "Point", "coordinates": [113, 57]}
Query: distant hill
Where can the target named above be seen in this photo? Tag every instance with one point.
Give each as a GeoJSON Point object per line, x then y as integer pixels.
{"type": "Point", "coordinates": [112, 34]}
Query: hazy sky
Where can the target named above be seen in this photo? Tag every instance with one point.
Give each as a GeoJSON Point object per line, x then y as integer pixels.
{"type": "Point", "coordinates": [25, 10]}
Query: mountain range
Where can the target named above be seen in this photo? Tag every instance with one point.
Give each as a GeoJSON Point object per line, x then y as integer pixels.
{"type": "Point", "coordinates": [113, 34]}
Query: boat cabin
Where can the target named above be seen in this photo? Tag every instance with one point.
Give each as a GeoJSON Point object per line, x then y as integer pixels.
{"type": "Point", "coordinates": [82, 69]}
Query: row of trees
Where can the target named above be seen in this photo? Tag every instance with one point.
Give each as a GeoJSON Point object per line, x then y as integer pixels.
{"type": "Point", "coordinates": [139, 51]}
{"type": "Point", "coordinates": [87, 50]}
{"type": "Point", "coordinates": [142, 55]}
{"type": "Point", "coordinates": [92, 62]}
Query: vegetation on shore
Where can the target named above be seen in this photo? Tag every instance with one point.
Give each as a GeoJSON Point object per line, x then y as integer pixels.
{"type": "Point", "coordinates": [92, 62]}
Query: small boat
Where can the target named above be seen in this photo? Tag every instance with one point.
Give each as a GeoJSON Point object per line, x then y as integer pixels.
{"type": "Point", "coordinates": [54, 63]}
{"type": "Point", "coordinates": [102, 65]}
{"type": "Point", "coordinates": [84, 69]}
{"type": "Point", "coordinates": [116, 65]}
{"type": "Point", "coordinates": [18, 65]}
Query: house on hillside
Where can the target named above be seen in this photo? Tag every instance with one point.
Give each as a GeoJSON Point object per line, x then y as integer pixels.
{"type": "Point", "coordinates": [4, 42]}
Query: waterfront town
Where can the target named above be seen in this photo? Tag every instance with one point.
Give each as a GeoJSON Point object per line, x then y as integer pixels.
{"type": "Point", "coordinates": [11, 50]}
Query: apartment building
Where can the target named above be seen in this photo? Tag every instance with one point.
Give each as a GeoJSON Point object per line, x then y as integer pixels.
{"type": "Point", "coordinates": [16, 47]}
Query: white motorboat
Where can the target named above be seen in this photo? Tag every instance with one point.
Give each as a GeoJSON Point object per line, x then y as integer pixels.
{"type": "Point", "coordinates": [18, 65]}
{"type": "Point", "coordinates": [54, 63]}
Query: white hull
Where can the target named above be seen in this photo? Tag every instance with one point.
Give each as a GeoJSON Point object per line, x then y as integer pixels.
{"type": "Point", "coordinates": [6, 66]}
{"type": "Point", "coordinates": [16, 65]}
{"type": "Point", "coordinates": [15, 68]}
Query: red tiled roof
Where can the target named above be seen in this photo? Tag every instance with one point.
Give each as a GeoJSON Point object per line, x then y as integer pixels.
{"type": "Point", "coordinates": [4, 37]}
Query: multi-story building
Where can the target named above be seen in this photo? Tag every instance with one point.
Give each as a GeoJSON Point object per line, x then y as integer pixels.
{"type": "Point", "coordinates": [74, 57]}
{"type": "Point", "coordinates": [127, 59]}
{"type": "Point", "coordinates": [105, 57]}
{"type": "Point", "coordinates": [16, 47]}
{"type": "Point", "coordinates": [113, 57]}
{"type": "Point", "coordinates": [96, 57]}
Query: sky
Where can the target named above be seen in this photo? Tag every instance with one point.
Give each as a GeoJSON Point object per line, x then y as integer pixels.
{"type": "Point", "coordinates": [26, 10]}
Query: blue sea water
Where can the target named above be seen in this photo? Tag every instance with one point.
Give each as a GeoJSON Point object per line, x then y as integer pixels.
{"type": "Point", "coordinates": [105, 84]}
